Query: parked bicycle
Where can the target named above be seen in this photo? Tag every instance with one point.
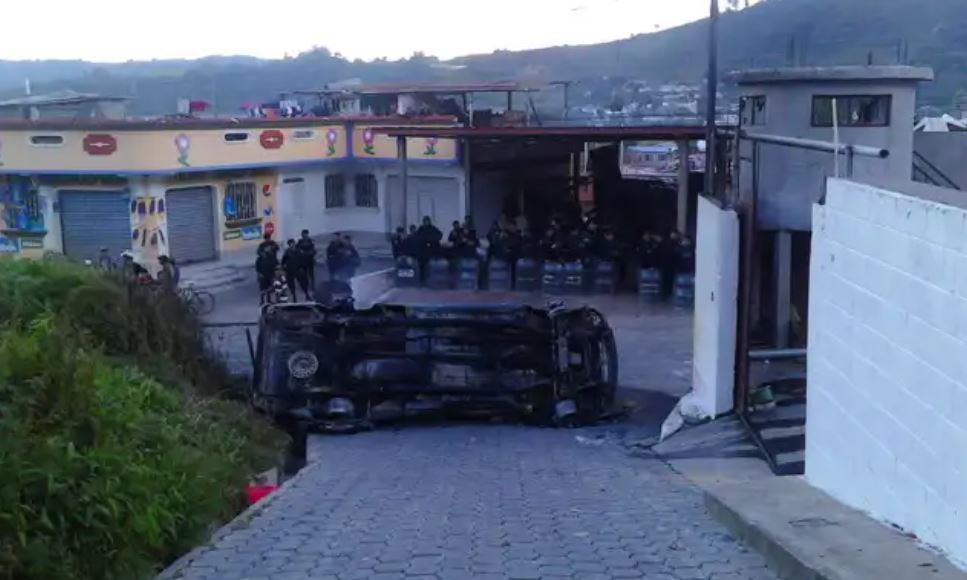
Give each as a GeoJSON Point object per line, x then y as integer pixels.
{"type": "Point", "coordinates": [199, 302]}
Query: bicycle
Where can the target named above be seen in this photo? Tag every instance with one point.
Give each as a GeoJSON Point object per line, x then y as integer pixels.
{"type": "Point", "coordinates": [198, 302]}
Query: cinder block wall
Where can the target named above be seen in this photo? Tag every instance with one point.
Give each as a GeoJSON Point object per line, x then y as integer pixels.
{"type": "Point", "coordinates": [887, 411]}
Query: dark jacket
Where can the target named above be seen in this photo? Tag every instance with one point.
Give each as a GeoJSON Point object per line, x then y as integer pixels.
{"type": "Point", "coordinates": [307, 251]}
{"type": "Point", "coordinates": [334, 255]}
{"type": "Point", "coordinates": [292, 261]}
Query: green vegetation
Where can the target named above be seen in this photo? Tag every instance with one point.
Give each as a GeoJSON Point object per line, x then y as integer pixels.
{"type": "Point", "coordinates": [115, 455]}
{"type": "Point", "coordinates": [769, 33]}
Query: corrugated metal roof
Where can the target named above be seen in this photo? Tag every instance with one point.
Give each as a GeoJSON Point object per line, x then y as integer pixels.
{"type": "Point", "coordinates": [58, 98]}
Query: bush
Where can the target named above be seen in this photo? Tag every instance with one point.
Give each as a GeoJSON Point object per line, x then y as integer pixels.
{"type": "Point", "coordinates": [110, 468]}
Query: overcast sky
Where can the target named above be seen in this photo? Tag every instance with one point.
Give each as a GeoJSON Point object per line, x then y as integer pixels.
{"type": "Point", "coordinates": [119, 30]}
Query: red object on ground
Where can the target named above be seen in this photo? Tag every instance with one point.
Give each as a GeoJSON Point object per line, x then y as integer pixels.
{"type": "Point", "coordinates": [256, 493]}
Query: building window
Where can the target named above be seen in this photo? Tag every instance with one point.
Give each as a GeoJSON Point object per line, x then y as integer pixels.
{"type": "Point", "coordinates": [755, 111]}
{"type": "Point", "coordinates": [241, 202]}
{"type": "Point", "coordinates": [852, 110]}
{"type": "Point", "coordinates": [335, 190]}
{"type": "Point", "coordinates": [237, 137]}
{"type": "Point", "coordinates": [46, 140]}
{"type": "Point", "coordinates": [367, 190]}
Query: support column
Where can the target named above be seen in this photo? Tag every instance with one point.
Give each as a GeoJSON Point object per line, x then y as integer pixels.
{"type": "Point", "coordinates": [783, 287]}
{"type": "Point", "coordinates": [682, 221]}
{"type": "Point", "coordinates": [467, 179]}
{"type": "Point", "coordinates": [404, 171]}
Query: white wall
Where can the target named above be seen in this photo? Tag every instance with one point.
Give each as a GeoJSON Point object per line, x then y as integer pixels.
{"type": "Point", "coordinates": [716, 305]}
{"type": "Point", "coordinates": [887, 367]}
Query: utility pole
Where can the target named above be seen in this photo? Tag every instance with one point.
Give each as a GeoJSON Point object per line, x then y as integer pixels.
{"type": "Point", "coordinates": [713, 85]}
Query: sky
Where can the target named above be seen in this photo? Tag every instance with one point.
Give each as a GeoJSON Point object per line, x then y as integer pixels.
{"type": "Point", "coordinates": [120, 30]}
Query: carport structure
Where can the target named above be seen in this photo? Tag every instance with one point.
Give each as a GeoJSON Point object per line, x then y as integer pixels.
{"type": "Point", "coordinates": [530, 168]}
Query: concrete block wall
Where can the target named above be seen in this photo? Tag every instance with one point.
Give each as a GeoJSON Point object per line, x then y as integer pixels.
{"type": "Point", "coordinates": [887, 368]}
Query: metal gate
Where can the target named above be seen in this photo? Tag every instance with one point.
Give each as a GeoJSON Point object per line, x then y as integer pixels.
{"type": "Point", "coordinates": [191, 224]}
{"type": "Point", "coordinates": [91, 220]}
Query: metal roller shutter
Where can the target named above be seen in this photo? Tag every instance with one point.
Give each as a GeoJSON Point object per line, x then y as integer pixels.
{"type": "Point", "coordinates": [94, 219]}
{"type": "Point", "coordinates": [191, 224]}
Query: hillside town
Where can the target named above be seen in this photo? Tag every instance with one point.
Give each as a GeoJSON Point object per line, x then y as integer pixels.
{"type": "Point", "coordinates": [501, 329]}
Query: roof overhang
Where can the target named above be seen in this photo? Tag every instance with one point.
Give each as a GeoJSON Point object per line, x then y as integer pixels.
{"type": "Point", "coordinates": [586, 134]}
{"type": "Point", "coordinates": [902, 73]}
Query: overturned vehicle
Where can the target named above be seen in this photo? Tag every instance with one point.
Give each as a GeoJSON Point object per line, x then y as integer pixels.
{"type": "Point", "coordinates": [332, 365]}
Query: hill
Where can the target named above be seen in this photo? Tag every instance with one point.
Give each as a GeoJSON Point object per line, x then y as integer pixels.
{"type": "Point", "coordinates": [771, 33]}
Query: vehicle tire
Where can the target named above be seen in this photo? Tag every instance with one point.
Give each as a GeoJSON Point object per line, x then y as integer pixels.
{"type": "Point", "coordinates": [202, 303]}
{"type": "Point", "coordinates": [593, 403]}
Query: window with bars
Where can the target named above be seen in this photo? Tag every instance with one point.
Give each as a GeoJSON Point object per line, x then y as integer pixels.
{"type": "Point", "coordinates": [241, 202]}
{"type": "Point", "coordinates": [852, 110]}
{"type": "Point", "coordinates": [335, 190]}
{"type": "Point", "coordinates": [367, 190]}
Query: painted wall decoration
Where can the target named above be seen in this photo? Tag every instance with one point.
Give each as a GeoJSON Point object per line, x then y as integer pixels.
{"type": "Point", "coordinates": [271, 139]}
{"type": "Point", "coordinates": [99, 144]}
{"type": "Point", "coordinates": [149, 224]}
{"type": "Point", "coordinates": [183, 145]}
{"type": "Point", "coordinates": [169, 150]}
{"type": "Point", "coordinates": [253, 232]}
{"type": "Point", "coordinates": [369, 141]}
{"type": "Point", "coordinates": [21, 207]}
{"type": "Point", "coordinates": [8, 245]}
{"type": "Point", "coordinates": [260, 218]}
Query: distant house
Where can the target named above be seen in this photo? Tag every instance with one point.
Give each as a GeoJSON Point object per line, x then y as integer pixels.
{"type": "Point", "coordinates": [64, 105]}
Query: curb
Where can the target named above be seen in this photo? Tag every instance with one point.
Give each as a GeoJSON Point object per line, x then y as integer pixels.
{"type": "Point", "coordinates": [780, 558]}
{"type": "Point", "coordinates": [177, 568]}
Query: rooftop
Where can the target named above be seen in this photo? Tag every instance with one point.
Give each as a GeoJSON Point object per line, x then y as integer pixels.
{"type": "Point", "coordinates": [443, 87]}
{"type": "Point", "coordinates": [581, 133]}
{"type": "Point", "coordinates": [59, 98]}
{"type": "Point", "coordinates": [833, 73]}
{"type": "Point", "coordinates": [189, 123]}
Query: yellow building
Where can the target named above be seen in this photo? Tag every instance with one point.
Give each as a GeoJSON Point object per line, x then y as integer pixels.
{"type": "Point", "coordinates": [199, 189]}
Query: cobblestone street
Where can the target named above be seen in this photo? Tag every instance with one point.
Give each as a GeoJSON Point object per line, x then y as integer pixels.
{"type": "Point", "coordinates": [455, 501]}
{"type": "Point", "coordinates": [478, 501]}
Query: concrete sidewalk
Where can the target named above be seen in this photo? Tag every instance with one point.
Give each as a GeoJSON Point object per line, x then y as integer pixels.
{"type": "Point", "coordinates": [803, 533]}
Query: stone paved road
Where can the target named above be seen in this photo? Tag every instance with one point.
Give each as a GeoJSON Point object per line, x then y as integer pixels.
{"type": "Point", "coordinates": [478, 501]}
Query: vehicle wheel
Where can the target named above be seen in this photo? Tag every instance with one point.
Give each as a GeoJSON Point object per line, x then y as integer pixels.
{"type": "Point", "coordinates": [593, 403]}
{"type": "Point", "coordinates": [203, 303]}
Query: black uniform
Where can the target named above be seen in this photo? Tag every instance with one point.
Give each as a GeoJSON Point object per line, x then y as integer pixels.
{"type": "Point", "coordinates": [293, 264]}
{"type": "Point", "coordinates": [307, 253]}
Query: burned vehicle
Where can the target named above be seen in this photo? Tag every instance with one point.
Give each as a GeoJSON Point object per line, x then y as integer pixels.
{"type": "Point", "coordinates": [333, 365]}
